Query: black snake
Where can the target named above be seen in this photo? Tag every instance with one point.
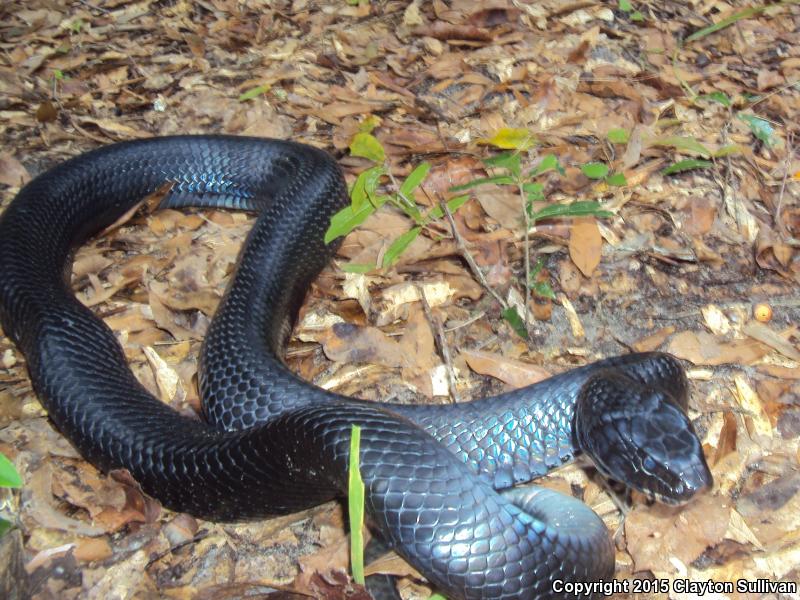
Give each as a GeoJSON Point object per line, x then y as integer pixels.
{"type": "Point", "coordinates": [277, 444]}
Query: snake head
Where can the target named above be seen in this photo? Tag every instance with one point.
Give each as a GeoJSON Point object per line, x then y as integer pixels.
{"type": "Point", "coordinates": [640, 436]}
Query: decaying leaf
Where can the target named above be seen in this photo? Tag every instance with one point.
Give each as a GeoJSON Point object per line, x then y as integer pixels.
{"type": "Point", "coordinates": [683, 533]}
{"type": "Point", "coordinates": [515, 373]}
{"type": "Point", "coordinates": [585, 244]}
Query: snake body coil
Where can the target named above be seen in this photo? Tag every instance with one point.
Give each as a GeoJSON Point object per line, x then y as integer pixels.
{"type": "Point", "coordinates": [277, 444]}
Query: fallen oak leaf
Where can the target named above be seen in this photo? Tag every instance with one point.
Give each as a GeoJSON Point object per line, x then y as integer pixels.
{"type": "Point", "coordinates": [515, 373]}
{"type": "Point", "coordinates": [659, 533]}
{"type": "Point", "coordinates": [701, 348]}
{"type": "Point", "coordinates": [585, 244]}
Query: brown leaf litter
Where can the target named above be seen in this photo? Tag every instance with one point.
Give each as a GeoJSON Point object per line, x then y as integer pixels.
{"type": "Point", "coordinates": [678, 267]}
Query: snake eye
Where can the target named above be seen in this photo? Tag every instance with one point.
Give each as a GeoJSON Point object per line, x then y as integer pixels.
{"type": "Point", "coordinates": [649, 465]}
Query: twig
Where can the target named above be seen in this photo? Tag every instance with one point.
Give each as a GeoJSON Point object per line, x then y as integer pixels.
{"type": "Point", "coordinates": [472, 319]}
{"type": "Point", "coordinates": [465, 253]}
{"type": "Point", "coordinates": [441, 343]}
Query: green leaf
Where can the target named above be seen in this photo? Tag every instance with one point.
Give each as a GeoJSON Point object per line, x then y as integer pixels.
{"type": "Point", "coordinates": [543, 289]}
{"type": "Point", "coordinates": [368, 124]}
{"type": "Point", "coordinates": [685, 144]}
{"type": "Point", "coordinates": [9, 477]}
{"type": "Point", "coordinates": [356, 268]}
{"type": "Point", "coordinates": [399, 245]}
{"type": "Point", "coordinates": [535, 191]}
{"type": "Point", "coordinates": [367, 145]}
{"type": "Point", "coordinates": [687, 165]}
{"type": "Point", "coordinates": [344, 221]}
{"type": "Point", "coordinates": [549, 162]}
{"type": "Point", "coordinates": [497, 180]}
{"type": "Point", "coordinates": [625, 5]}
{"type": "Point", "coordinates": [637, 16]}
{"type": "Point", "coordinates": [507, 160]}
{"type": "Point", "coordinates": [511, 139]}
{"type": "Point", "coordinates": [723, 23]}
{"type": "Point", "coordinates": [411, 211]}
{"type": "Point", "coordinates": [537, 268]}
{"type": "Point", "coordinates": [416, 177]}
{"type": "Point", "coordinates": [512, 317]}
{"type": "Point", "coordinates": [453, 205]}
{"type": "Point", "coordinates": [365, 187]}
{"type": "Point", "coordinates": [583, 208]}
{"type": "Point", "coordinates": [728, 150]}
{"type": "Point", "coordinates": [437, 596]}
{"type": "Point", "coordinates": [760, 128]}
{"type": "Point", "coordinates": [595, 170]}
{"type": "Point", "coordinates": [254, 92]}
{"type": "Point", "coordinates": [617, 179]}
{"type": "Point", "coordinates": [618, 136]}
{"type": "Point", "coordinates": [355, 505]}
{"type": "Point", "coordinates": [719, 97]}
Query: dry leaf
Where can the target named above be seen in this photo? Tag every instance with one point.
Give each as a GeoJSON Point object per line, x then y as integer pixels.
{"type": "Point", "coordinates": [585, 244]}
{"type": "Point", "coordinates": [655, 535]}
{"type": "Point", "coordinates": [12, 172]}
{"type": "Point", "coordinates": [703, 348]}
{"type": "Point", "coordinates": [515, 373]}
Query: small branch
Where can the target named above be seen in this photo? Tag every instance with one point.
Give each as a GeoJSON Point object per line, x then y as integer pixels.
{"type": "Point", "coordinates": [441, 343]}
{"type": "Point", "coordinates": [465, 253]}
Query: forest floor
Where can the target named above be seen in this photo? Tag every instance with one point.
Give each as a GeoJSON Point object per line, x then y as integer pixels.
{"type": "Point", "coordinates": [675, 123]}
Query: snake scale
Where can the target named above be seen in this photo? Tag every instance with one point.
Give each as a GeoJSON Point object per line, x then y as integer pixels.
{"type": "Point", "coordinates": [274, 444]}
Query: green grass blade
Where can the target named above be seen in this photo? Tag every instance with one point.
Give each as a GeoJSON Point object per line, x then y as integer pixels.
{"type": "Point", "coordinates": [9, 477]}
{"type": "Point", "coordinates": [355, 506]}
{"type": "Point", "coordinates": [726, 22]}
{"type": "Point", "coordinates": [576, 209]}
{"type": "Point", "coordinates": [452, 205]}
{"type": "Point", "coordinates": [344, 221]}
{"type": "Point", "coordinates": [416, 177]}
{"type": "Point", "coordinates": [682, 144]}
{"type": "Point", "coordinates": [687, 165]}
{"type": "Point", "coordinates": [399, 246]}
{"type": "Point", "coordinates": [254, 92]}
{"type": "Point", "coordinates": [497, 179]}
{"type": "Point", "coordinates": [517, 324]}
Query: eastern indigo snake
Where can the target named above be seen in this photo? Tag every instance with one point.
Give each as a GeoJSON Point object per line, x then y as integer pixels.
{"type": "Point", "coordinates": [276, 444]}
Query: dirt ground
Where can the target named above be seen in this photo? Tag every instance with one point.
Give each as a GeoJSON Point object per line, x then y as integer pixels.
{"type": "Point", "coordinates": [679, 118]}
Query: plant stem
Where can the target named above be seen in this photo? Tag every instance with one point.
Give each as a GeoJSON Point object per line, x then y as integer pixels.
{"type": "Point", "coordinates": [465, 253]}
{"type": "Point", "coordinates": [527, 253]}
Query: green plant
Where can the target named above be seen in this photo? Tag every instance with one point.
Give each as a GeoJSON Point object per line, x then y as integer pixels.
{"type": "Point", "coordinates": [508, 169]}
{"type": "Point", "coordinates": [9, 478]}
{"type": "Point", "coordinates": [355, 510]}
{"type": "Point", "coordinates": [368, 194]}
{"type": "Point", "coordinates": [626, 6]}
{"type": "Point", "coordinates": [355, 507]}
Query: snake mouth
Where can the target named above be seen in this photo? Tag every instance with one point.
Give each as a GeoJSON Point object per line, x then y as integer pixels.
{"type": "Point", "coordinates": [680, 486]}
